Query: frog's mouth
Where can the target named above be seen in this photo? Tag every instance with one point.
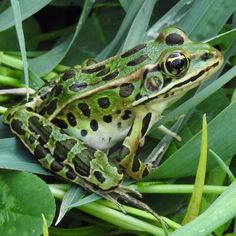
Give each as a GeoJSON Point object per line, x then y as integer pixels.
{"type": "Point", "coordinates": [180, 87]}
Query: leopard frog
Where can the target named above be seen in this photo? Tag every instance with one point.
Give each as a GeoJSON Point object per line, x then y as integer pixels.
{"type": "Point", "coordinates": [70, 123]}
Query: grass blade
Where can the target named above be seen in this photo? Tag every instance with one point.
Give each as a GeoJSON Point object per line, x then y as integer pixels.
{"type": "Point", "coordinates": [20, 35]}
{"type": "Point", "coordinates": [116, 42]}
{"type": "Point", "coordinates": [223, 166]}
{"type": "Point", "coordinates": [204, 13]}
{"type": "Point", "coordinates": [172, 17]}
{"type": "Point", "coordinates": [188, 154]}
{"type": "Point", "coordinates": [195, 201]}
{"type": "Point", "coordinates": [74, 194]}
{"type": "Point", "coordinates": [13, 156]}
{"type": "Point", "coordinates": [224, 37]}
{"type": "Point", "coordinates": [47, 62]}
{"type": "Point", "coordinates": [139, 26]}
{"type": "Point", "coordinates": [28, 8]}
{"type": "Point", "coordinates": [45, 226]}
{"type": "Point", "coordinates": [221, 211]}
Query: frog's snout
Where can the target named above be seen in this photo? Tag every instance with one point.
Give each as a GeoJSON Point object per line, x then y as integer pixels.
{"type": "Point", "coordinates": [211, 54]}
{"type": "Point", "coordinates": [218, 55]}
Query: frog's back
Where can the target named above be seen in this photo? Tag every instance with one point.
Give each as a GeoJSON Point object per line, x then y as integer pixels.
{"type": "Point", "coordinates": [79, 82]}
{"type": "Point", "coordinates": [98, 94]}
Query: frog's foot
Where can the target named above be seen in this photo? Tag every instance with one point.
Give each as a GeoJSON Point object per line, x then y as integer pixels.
{"type": "Point", "coordinates": [121, 194]}
{"type": "Point", "coordinates": [127, 189]}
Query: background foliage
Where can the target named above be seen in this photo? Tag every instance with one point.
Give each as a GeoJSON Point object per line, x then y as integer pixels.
{"type": "Point", "coordinates": [59, 34]}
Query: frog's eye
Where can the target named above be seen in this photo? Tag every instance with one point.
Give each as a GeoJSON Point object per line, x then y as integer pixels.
{"type": "Point", "coordinates": [176, 64]}
{"type": "Point", "coordinates": [153, 81]}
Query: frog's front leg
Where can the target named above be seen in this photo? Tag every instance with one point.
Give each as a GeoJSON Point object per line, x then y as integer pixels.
{"type": "Point", "coordinates": [128, 158]}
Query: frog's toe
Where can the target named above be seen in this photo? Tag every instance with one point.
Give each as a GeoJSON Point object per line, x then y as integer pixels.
{"type": "Point", "coordinates": [130, 189]}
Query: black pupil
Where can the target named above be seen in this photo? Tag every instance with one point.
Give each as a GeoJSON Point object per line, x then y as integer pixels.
{"type": "Point", "coordinates": [177, 64]}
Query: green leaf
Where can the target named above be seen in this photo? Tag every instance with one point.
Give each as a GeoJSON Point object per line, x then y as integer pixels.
{"type": "Point", "coordinates": [101, 28]}
{"type": "Point", "coordinates": [21, 39]}
{"type": "Point", "coordinates": [63, 3]}
{"type": "Point", "coordinates": [220, 128]}
{"type": "Point", "coordinates": [74, 194]}
{"type": "Point", "coordinates": [15, 156]}
{"type": "Point", "coordinates": [139, 26]}
{"type": "Point", "coordinates": [224, 37]}
{"type": "Point", "coordinates": [80, 202]}
{"type": "Point", "coordinates": [223, 166]}
{"type": "Point", "coordinates": [212, 106]}
{"type": "Point", "coordinates": [206, 18]}
{"type": "Point", "coordinates": [120, 219]}
{"type": "Point", "coordinates": [125, 4]}
{"type": "Point", "coordinates": [45, 226]}
{"type": "Point", "coordinates": [221, 211]}
{"type": "Point", "coordinates": [4, 130]}
{"type": "Point", "coordinates": [195, 201]}
{"type": "Point", "coordinates": [24, 197]}
{"type": "Point", "coordinates": [28, 8]}
{"type": "Point", "coordinates": [47, 62]}
{"type": "Point", "coordinates": [172, 17]}
{"type": "Point", "coordinates": [118, 40]}
{"type": "Point", "coordinates": [9, 41]}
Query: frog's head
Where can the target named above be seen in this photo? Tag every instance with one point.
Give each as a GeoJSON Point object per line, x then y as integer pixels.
{"type": "Point", "coordinates": [181, 65]}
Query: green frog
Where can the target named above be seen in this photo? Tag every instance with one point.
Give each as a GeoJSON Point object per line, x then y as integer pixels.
{"type": "Point", "coordinates": [70, 123]}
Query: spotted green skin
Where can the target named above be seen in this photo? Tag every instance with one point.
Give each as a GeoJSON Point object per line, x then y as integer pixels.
{"type": "Point", "coordinates": [69, 124]}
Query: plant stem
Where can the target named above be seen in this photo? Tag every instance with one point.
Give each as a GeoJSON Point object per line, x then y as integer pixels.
{"type": "Point", "coordinates": [10, 72]}
{"type": "Point", "coordinates": [16, 91]}
{"type": "Point", "coordinates": [150, 187]}
{"type": "Point", "coordinates": [106, 211]}
{"type": "Point", "coordinates": [119, 219]}
{"type": "Point", "coordinates": [11, 61]}
{"type": "Point", "coordinates": [2, 109]}
{"type": "Point", "coordinates": [140, 213]}
{"type": "Point", "coordinates": [9, 81]}
{"type": "Point", "coordinates": [112, 216]}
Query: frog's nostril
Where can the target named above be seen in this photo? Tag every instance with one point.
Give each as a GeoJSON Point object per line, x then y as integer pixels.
{"type": "Point", "coordinates": [205, 56]}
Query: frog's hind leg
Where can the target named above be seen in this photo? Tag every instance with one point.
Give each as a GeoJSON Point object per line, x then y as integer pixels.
{"type": "Point", "coordinates": [62, 154]}
{"type": "Point", "coordinates": [35, 100]}
{"type": "Point", "coordinates": [35, 133]}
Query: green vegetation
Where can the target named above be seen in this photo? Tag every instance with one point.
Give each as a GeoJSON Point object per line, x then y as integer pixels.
{"type": "Point", "coordinates": [40, 39]}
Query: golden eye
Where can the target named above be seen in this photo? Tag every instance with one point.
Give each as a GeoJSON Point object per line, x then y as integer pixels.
{"type": "Point", "coordinates": [176, 64]}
